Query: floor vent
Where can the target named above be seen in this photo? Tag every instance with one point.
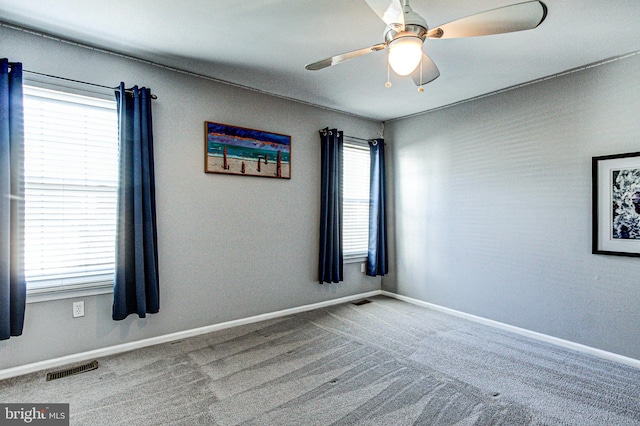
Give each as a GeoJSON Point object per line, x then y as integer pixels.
{"type": "Point", "coordinates": [361, 302]}
{"type": "Point", "coordinates": [71, 371]}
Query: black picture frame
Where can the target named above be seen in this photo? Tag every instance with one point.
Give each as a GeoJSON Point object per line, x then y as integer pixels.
{"type": "Point", "coordinates": [616, 204]}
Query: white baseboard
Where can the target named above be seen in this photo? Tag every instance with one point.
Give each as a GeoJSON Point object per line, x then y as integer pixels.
{"type": "Point", "coordinates": [610, 356]}
{"type": "Point", "coordinates": [126, 347]}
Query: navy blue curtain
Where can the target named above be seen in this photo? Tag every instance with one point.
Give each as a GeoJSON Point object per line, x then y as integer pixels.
{"type": "Point", "coordinates": [13, 288]}
{"type": "Point", "coordinates": [136, 287]}
{"type": "Point", "coordinates": [331, 258]}
{"type": "Point", "coordinates": [377, 256]}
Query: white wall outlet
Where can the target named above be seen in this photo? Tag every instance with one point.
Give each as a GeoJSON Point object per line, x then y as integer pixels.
{"type": "Point", "coordinates": [78, 309]}
{"type": "Point", "coordinates": [363, 267]}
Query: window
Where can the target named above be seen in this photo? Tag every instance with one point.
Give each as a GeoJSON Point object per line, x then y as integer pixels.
{"type": "Point", "coordinates": [355, 207]}
{"type": "Point", "coordinates": [71, 182]}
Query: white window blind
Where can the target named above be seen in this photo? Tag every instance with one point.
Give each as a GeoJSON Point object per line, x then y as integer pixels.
{"type": "Point", "coordinates": [71, 181]}
{"type": "Point", "coordinates": [355, 207]}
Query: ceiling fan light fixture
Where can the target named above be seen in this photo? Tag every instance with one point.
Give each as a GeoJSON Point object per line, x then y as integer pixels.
{"type": "Point", "coordinates": [405, 54]}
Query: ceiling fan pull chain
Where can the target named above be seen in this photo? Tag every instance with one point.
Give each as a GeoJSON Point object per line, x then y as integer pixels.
{"type": "Point", "coordinates": [388, 83]}
{"type": "Point", "coordinates": [420, 88]}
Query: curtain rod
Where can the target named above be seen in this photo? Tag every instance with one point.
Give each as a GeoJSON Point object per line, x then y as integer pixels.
{"type": "Point", "coordinates": [363, 140]}
{"type": "Point", "coordinates": [358, 139]}
{"type": "Point", "coordinates": [81, 82]}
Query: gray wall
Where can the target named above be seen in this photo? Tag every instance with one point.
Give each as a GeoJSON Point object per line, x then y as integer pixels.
{"type": "Point", "coordinates": [490, 200]}
{"type": "Point", "coordinates": [229, 247]}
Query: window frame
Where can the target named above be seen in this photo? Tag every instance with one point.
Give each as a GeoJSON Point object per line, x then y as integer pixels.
{"type": "Point", "coordinates": [355, 144]}
{"type": "Point", "coordinates": [68, 291]}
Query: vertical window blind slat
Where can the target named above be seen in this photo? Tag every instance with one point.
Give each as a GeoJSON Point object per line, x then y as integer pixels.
{"type": "Point", "coordinates": [71, 181]}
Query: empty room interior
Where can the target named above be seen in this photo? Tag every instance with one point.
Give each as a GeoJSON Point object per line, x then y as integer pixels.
{"type": "Point", "coordinates": [501, 285]}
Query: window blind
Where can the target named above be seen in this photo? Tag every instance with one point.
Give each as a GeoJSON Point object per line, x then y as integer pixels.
{"type": "Point", "coordinates": [355, 207]}
{"type": "Point", "coordinates": [71, 181]}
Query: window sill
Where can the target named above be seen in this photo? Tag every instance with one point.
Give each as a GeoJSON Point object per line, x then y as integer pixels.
{"type": "Point", "coordinates": [355, 259]}
{"type": "Point", "coordinates": [45, 294]}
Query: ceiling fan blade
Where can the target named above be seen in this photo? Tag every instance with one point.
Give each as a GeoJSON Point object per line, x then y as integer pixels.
{"type": "Point", "coordinates": [428, 69]}
{"type": "Point", "coordinates": [517, 17]}
{"type": "Point", "coordinates": [390, 13]}
{"type": "Point", "coordinates": [344, 57]}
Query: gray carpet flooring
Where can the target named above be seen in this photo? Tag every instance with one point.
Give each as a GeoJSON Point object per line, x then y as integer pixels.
{"type": "Point", "coordinates": [382, 363]}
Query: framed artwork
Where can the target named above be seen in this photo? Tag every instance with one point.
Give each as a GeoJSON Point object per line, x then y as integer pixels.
{"type": "Point", "coordinates": [616, 204]}
{"type": "Point", "coordinates": [246, 152]}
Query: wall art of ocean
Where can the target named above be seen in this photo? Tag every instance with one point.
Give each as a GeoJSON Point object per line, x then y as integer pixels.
{"type": "Point", "coordinates": [249, 153]}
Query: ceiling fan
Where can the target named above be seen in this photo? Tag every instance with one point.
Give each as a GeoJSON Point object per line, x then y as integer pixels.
{"type": "Point", "coordinates": [406, 31]}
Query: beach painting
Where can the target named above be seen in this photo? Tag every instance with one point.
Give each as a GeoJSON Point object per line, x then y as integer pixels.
{"type": "Point", "coordinates": [239, 151]}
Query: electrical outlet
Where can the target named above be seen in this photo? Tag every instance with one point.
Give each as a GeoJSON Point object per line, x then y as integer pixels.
{"type": "Point", "coordinates": [363, 267]}
{"type": "Point", "coordinates": [78, 309]}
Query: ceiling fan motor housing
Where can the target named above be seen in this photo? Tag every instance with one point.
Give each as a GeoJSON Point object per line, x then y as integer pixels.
{"type": "Point", "coordinates": [410, 30]}
{"type": "Point", "coordinates": [414, 26]}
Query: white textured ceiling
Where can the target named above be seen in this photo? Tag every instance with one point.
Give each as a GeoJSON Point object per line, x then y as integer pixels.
{"type": "Point", "coordinates": [265, 44]}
